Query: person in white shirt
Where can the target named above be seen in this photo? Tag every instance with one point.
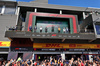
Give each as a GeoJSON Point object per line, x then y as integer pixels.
{"type": "Point", "coordinates": [64, 30]}
{"type": "Point", "coordinates": [85, 30]}
{"type": "Point", "coordinates": [40, 29]}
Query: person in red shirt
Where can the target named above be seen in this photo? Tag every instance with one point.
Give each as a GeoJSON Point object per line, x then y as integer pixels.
{"type": "Point", "coordinates": [61, 63]}
{"type": "Point", "coordinates": [82, 63]}
{"type": "Point", "coordinates": [35, 63]}
{"type": "Point", "coordinates": [79, 64]}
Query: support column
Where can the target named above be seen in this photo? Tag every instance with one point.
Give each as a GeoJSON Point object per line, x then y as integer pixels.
{"type": "Point", "coordinates": [3, 9]}
{"type": "Point", "coordinates": [63, 56]}
{"type": "Point", "coordinates": [33, 24]}
{"type": "Point", "coordinates": [94, 26]}
{"type": "Point", "coordinates": [84, 15]}
{"type": "Point", "coordinates": [17, 13]}
{"type": "Point", "coordinates": [71, 26]}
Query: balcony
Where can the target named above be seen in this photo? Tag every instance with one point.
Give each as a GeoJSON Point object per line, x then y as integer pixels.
{"type": "Point", "coordinates": [88, 35]}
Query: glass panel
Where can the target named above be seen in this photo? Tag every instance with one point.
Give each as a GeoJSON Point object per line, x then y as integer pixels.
{"type": "Point", "coordinates": [9, 10]}
{"type": "Point", "coordinates": [97, 29]}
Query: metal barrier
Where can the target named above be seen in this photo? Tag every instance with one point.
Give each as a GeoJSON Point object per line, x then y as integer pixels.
{"type": "Point", "coordinates": [19, 28]}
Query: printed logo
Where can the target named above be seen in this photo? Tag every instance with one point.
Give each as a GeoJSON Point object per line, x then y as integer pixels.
{"type": "Point", "coordinates": [2, 44]}
{"type": "Point", "coordinates": [53, 34]}
{"type": "Point", "coordinates": [72, 45]}
{"type": "Point", "coordinates": [53, 45]}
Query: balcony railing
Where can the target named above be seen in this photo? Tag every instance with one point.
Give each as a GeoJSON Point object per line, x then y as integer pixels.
{"type": "Point", "coordinates": [85, 31]}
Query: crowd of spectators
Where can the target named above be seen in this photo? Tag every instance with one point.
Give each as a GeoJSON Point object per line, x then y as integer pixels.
{"type": "Point", "coordinates": [53, 62]}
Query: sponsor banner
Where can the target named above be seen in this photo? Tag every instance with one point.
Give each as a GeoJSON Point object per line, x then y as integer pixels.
{"type": "Point", "coordinates": [4, 44]}
{"type": "Point", "coordinates": [21, 48]}
{"type": "Point", "coordinates": [64, 45]}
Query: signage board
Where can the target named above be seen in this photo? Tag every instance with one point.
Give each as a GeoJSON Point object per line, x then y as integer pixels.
{"type": "Point", "coordinates": [21, 49]}
{"type": "Point", "coordinates": [4, 44]}
{"type": "Point", "coordinates": [66, 46]}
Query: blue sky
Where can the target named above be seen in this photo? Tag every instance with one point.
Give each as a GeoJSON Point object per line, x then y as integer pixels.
{"type": "Point", "coordinates": [79, 3]}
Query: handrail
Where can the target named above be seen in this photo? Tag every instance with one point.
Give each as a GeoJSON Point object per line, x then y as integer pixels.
{"type": "Point", "coordinates": [11, 28]}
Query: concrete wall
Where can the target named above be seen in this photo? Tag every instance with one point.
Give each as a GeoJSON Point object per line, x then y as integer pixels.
{"type": "Point", "coordinates": [50, 6]}
{"type": "Point", "coordinates": [40, 1]}
{"type": "Point", "coordinates": [40, 4]}
{"type": "Point", "coordinates": [6, 20]}
{"type": "Point", "coordinates": [96, 18]}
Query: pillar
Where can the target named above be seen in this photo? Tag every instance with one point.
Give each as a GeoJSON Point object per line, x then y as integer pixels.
{"type": "Point", "coordinates": [3, 9]}
{"type": "Point", "coordinates": [84, 15]}
{"type": "Point", "coordinates": [17, 13]}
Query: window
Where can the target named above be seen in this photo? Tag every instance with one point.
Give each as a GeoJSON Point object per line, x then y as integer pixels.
{"type": "Point", "coordinates": [97, 29]}
{"type": "Point", "coordinates": [9, 10]}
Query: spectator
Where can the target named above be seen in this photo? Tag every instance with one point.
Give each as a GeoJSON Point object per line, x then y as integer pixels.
{"type": "Point", "coordinates": [41, 29]}
{"type": "Point", "coordinates": [39, 58]}
{"type": "Point", "coordinates": [59, 29]}
{"type": "Point", "coordinates": [10, 28]}
{"type": "Point", "coordinates": [52, 28]}
{"type": "Point", "coordinates": [19, 59]}
{"type": "Point", "coordinates": [30, 28]}
{"type": "Point", "coordinates": [92, 12]}
{"type": "Point", "coordinates": [85, 30]}
{"type": "Point", "coordinates": [4, 63]}
{"type": "Point", "coordinates": [0, 63]}
{"type": "Point", "coordinates": [46, 62]}
{"type": "Point", "coordinates": [46, 29]}
{"type": "Point", "coordinates": [64, 30]}
{"type": "Point", "coordinates": [50, 57]}
{"type": "Point", "coordinates": [35, 28]}
{"type": "Point", "coordinates": [67, 31]}
{"type": "Point", "coordinates": [17, 27]}
{"type": "Point", "coordinates": [96, 12]}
